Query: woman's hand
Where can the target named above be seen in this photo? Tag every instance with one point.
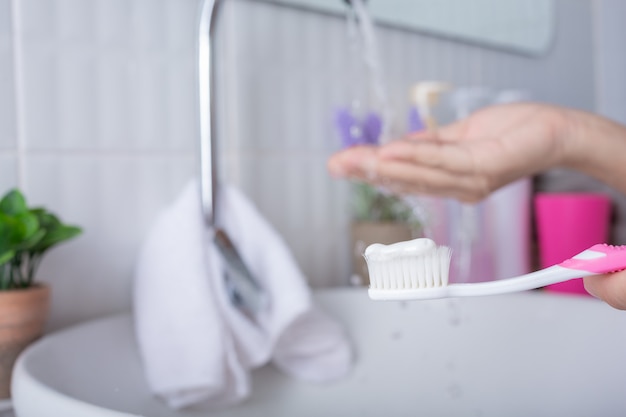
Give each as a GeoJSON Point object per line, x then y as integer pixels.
{"type": "Point", "coordinates": [471, 158]}
{"type": "Point", "coordinates": [466, 160]}
{"type": "Point", "coordinates": [610, 288]}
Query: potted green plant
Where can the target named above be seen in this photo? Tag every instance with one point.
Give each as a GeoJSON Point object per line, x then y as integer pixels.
{"type": "Point", "coordinates": [26, 235]}
{"type": "Point", "coordinates": [378, 217]}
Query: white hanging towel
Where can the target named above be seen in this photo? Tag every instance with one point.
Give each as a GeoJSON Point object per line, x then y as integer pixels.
{"type": "Point", "coordinates": [196, 347]}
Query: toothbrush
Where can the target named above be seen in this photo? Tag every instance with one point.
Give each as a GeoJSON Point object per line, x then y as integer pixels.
{"type": "Point", "coordinates": [418, 269]}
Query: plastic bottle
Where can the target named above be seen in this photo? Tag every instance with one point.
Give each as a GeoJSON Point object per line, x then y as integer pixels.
{"type": "Point", "coordinates": [470, 236]}
{"type": "Point", "coordinates": [510, 209]}
{"type": "Point", "coordinates": [424, 114]}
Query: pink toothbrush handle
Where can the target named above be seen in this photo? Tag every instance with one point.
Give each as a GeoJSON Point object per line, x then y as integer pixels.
{"type": "Point", "coordinates": [614, 260]}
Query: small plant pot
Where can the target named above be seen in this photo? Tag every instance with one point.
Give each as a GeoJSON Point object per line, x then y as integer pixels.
{"type": "Point", "coordinates": [366, 233]}
{"type": "Point", "coordinates": [23, 314]}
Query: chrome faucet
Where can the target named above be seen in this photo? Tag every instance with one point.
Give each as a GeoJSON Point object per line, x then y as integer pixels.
{"type": "Point", "coordinates": [207, 106]}
{"type": "Point", "coordinates": [244, 290]}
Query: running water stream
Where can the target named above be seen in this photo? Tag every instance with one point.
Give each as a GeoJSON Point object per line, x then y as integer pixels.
{"type": "Point", "coordinates": [361, 31]}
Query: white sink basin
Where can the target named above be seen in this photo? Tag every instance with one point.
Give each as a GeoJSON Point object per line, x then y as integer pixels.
{"type": "Point", "coordinates": [529, 354]}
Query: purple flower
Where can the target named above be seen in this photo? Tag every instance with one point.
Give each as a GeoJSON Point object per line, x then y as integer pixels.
{"type": "Point", "coordinates": [353, 131]}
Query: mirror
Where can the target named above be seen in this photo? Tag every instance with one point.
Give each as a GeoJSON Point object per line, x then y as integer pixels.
{"type": "Point", "coordinates": [522, 26]}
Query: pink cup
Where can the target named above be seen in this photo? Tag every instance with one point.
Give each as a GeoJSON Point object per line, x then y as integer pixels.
{"type": "Point", "coordinates": [568, 223]}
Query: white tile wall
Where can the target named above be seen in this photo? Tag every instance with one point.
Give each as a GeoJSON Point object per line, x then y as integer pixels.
{"type": "Point", "coordinates": [611, 66]}
{"type": "Point", "coordinates": [295, 194]}
{"type": "Point", "coordinates": [109, 75]}
{"type": "Point", "coordinates": [7, 90]}
{"type": "Point", "coordinates": [106, 122]}
{"type": "Point", "coordinates": [115, 197]}
{"type": "Point", "coordinates": [108, 132]}
{"type": "Point", "coordinates": [8, 171]}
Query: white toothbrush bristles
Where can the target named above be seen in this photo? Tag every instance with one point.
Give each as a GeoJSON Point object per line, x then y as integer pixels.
{"type": "Point", "coordinates": [410, 265]}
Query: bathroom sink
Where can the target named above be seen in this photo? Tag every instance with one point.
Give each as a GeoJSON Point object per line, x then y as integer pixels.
{"type": "Point", "coordinates": [527, 354]}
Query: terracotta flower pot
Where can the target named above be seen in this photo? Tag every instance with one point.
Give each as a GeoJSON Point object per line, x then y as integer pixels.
{"type": "Point", "coordinates": [23, 315]}
{"type": "Point", "coordinates": [366, 233]}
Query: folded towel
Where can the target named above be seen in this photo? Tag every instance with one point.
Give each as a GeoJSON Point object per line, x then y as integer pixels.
{"type": "Point", "coordinates": [198, 348]}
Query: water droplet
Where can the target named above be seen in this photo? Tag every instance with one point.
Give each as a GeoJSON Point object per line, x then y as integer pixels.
{"type": "Point", "coordinates": [356, 280]}
{"type": "Point", "coordinates": [455, 391]}
{"type": "Point", "coordinates": [455, 314]}
{"type": "Point", "coordinates": [396, 335]}
{"type": "Point", "coordinates": [356, 132]}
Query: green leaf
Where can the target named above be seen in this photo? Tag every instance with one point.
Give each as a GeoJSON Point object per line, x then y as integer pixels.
{"type": "Point", "coordinates": [6, 256]}
{"type": "Point", "coordinates": [28, 225]}
{"type": "Point", "coordinates": [55, 236]}
{"type": "Point", "coordinates": [371, 204]}
{"type": "Point", "coordinates": [14, 229]}
{"type": "Point", "coordinates": [13, 203]}
{"type": "Point", "coordinates": [29, 243]}
{"type": "Point", "coordinates": [46, 219]}
{"type": "Point", "coordinates": [55, 231]}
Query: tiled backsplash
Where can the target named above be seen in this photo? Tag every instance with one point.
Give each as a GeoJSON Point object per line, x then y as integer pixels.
{"type": "Point", "coordinates": [99, 123]}
{"type": "Point", "coordinates": [7, 88]}
{"type": "Point", "coordinates": [107, 132]}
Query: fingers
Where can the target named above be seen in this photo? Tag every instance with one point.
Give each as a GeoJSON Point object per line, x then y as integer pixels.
{"type": "Point", "coordinates": [413, 167]}
{"type": "Point", "coordinates": [434, 154]}
{"type": "Point", "coordinates": [357, 162]}
{"type": "Point", "coordinates": [610, 288]}
{"type": "Point", "coordinates": [451, 132]}
{"type": "Point", "coordinates": [421, 135]}
{"type": "Point", "coordinates": [408, 178]}
{"type": "Point", "coordinates": [435, 167]}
